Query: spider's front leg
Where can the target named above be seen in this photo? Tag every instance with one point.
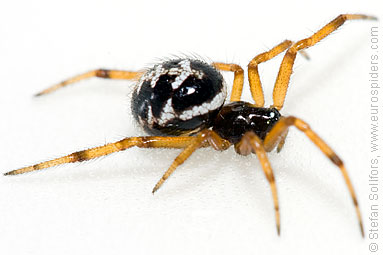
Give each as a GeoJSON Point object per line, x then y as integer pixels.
{"type": "Point", "coordinates": [286, 68]}
{"type": "Point", "coordinates": [253, 74]}
{"type": "Point", "coordinates": [142, 142]}
{"type": "Point", "coordinates": [100, 73]}
{"type": "Point", "coordinates": [275, 135]}
{"type": "Point", "coordinates": [250, 142]}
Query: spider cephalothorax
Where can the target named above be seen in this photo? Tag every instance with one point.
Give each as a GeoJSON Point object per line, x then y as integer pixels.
{"type": "Point", "coordinates": [181, 103]}
{"type": "Point", "coordinates": [237, 118]}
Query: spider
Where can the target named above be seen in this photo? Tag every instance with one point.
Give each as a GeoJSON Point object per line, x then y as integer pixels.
{"type": "Point", "coordinates": [180, 104]}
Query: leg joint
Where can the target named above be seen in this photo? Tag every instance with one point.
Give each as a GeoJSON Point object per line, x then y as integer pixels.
{"type": "Point", "coordinates": [143, 142]}
{"type": "Point", "coordinates": [236, 68]}
{"type": "Point", "coordinates": [336, 160]}
{"type": "Point", "coordinates": [103, 73]}
{"type": "Point", "coordinates": [79, 156]}
{"type": "Point", "coordinates": [290, 120]}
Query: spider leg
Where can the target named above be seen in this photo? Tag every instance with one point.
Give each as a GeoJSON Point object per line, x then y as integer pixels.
{"type": "Point", "coordinates": [142, 142]}
{"type": "Point", "coordinates": [250, 142]}
{"type": "Point", "coordinates": [274, 136]}
{"type": "Point", "coordinates": [204, 138]}
{"type": "Point", "coordinates": [253, 74]}
{"type": "Point", "coordinates": [236, 91]}
{"type": "Point", "coordinates": [101, 73]}
{"type": "Point", "coordinates": [285, 70]}
{"type": "Point", "coordinates": [282, 141]}
{"type": "Point", "coordinates": [254, 80]}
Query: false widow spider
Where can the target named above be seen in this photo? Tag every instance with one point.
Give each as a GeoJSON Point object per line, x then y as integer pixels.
{"type": "Point", "coordinates": [180, 103]}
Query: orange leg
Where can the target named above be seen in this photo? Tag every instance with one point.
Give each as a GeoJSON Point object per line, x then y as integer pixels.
{"type": "Point", "coordinates": [143, 142]}
{"type": "Point", "coordinates": [253, 75]}
{"type": "Point", "coordinates": [285, 70]}
{"type": "Point", "coordinates": [205, 137]}
{"type": "Point", "coordinates": [250, 142]}
{"type": "Point", "coordinates": [236, 91]}
{"type": "Point", "coordinates": [101, 73]}
{"type": "Point", "coordinates": [276, 134]}
{"type": "Point", "coordinates": [282, 141]}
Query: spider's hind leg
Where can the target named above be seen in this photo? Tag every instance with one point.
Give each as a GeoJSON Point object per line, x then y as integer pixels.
{"type": "Point", "coordinates": [204, 138]}
{"type": "Point", "coordinates": [236, 91]}
{"type": "Point", "coordinates": [84, 155]}
{"type": "Point", "coordinates": [101, 73]}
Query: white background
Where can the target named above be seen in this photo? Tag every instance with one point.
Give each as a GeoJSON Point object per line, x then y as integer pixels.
{"type": "Point", "coordinates": [216, 203]}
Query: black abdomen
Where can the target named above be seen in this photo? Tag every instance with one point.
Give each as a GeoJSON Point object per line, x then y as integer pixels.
{"type": "Point", "coordinates": [237, 118]}
{"type": "Point", "coordinates": [178, 97]}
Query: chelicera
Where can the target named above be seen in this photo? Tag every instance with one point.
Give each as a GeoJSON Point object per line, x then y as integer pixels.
{"type": "Point", "coordinates": [180, 104]}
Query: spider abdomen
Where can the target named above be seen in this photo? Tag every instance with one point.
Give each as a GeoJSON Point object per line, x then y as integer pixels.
{"type": "Point", "coordinates": [237, 118]}
{"type": "Point", "coordinates": [178, 97]}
